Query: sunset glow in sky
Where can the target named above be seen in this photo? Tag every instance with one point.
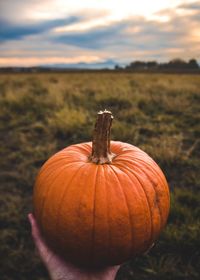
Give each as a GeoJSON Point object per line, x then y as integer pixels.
{"type": "Point", "coordinates": [39, 32]}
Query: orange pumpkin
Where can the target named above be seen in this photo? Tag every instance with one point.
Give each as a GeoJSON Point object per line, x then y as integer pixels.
{"type": "Point", "coordinates": [101, 203]}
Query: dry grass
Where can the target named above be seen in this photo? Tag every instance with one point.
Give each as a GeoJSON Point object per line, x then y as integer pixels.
{"type": "Point", "coordinates": [42, 113]}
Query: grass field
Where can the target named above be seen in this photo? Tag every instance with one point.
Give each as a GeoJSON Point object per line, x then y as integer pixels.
{"type": "Point", "coordinates": [42, 113]}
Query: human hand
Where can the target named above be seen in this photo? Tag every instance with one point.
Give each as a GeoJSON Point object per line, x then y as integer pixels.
{"type": "Point", "coordinates": [61, 270]}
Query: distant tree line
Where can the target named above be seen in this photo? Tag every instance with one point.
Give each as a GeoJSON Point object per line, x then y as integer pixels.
{"type": "Point", "coordinates": [176, 65]}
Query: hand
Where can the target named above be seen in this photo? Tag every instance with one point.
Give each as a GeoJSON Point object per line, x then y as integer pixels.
{"type": "Point", "coordinates": [61, 270]}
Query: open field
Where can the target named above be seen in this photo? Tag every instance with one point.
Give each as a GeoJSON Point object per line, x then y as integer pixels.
{"type": "Point", "coordinates": [42, 113]}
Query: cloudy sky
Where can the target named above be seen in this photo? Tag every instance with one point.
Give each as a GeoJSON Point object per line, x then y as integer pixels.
{"type": "Point", "coordinates": [36, 32]}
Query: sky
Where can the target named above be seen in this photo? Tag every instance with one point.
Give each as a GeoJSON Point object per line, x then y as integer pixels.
{"type": "Point", "coordinates": [40, 32]}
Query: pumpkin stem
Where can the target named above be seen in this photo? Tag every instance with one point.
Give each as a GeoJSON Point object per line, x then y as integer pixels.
{"type": "Point", "coordinates": [101, 139]}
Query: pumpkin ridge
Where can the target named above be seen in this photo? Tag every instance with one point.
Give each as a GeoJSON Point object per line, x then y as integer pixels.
{"type": "Point", "coordinates": [94, 211]}
{"type": "Point", "coordinates": [64, 194]}
{"type": "Point", "coordinates": [86, 148]}
{"type": "Point", "coordinates": [153, 170]}
{"type": "Point", "coordinates": [45, 197]}
{"type": "Point", "coordinates": [55, 158]}
{"type": "Point", "coordinates": [45, 170]}
{"type": "Point", "coordinates": [134, 155]}
{"type": "Point", "coordinates": [127, 206]}
{"type": "Point", "coordinates": [141, 186]}
{"type": "Point", "coordinates": [162, 178]}
{"type": "Point", "coordinates": [157, 200]}
{"type": "Point", "coordinates": [49, 168]}
{"type": "Point", "coordinates": [73, 154]}
{"type": "Point", "coordinates": [52, 192]}
{"type": "Point", "coordinates": [156, 195]}
{"type": "Point", "coordinates": [108, 216]}
{"type": "Point", "coordinates": [50, 165]}
{"type": "Point", "coordinates": [76, 151]}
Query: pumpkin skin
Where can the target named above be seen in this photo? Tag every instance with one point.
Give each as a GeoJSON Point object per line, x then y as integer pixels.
{"type": "Point", "coordinates": [96, 215]}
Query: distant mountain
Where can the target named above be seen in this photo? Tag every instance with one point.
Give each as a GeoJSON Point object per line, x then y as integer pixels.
{"type": "Point", "coordinates": [110, 64]}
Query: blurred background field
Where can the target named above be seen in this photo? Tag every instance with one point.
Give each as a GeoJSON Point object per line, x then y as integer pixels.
{"type": "Point", "coordinates": [42, 113]}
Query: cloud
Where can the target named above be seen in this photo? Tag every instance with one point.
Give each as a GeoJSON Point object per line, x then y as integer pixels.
{"type": "Point", "coordinates": [83, 35]}
{"type": "Point", "coordinates": [19, 10]}
{"type": "Point", "coordinates": [134, 33]}
{"type": "Point", "coordinates": [12, 31]}
{"type": "Point", "coordinates": [94, 38]}
{"type": "Point", "coordinates": [190, 6]}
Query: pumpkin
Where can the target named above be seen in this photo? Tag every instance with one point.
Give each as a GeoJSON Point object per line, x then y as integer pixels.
{"type": "Point", "coordinates": [101, 203]}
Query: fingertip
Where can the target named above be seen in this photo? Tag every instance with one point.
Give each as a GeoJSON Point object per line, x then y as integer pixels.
{"type": "Point", "coordinates": [34, 226]}
{"type": "Point", "coordinates": [30, 215]}
{"type": "Point", "coordinates": [30, 218]}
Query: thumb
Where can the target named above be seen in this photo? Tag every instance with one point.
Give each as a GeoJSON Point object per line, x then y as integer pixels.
{"type": "Point", "coordinates": [37, 238]}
